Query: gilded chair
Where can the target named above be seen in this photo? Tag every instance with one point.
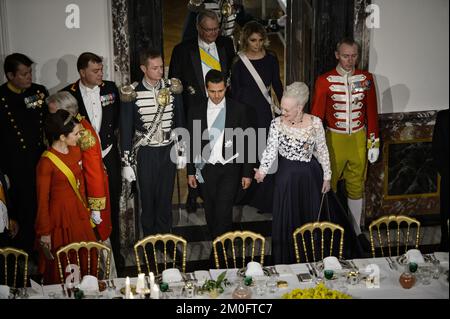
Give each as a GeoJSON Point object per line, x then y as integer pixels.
{"type": "Point", "coordinates": [169, 254]}
{"type": "Point", "coordinates": [235, 240]}
{"type": "Point", "coordinates": [314, 236]}
{"type": "Point", "coordinates": [381, 228]}
{"type": "Point", "coordinates": [6, 252]}
{"type": "Point", "coordinates": [84, 251]}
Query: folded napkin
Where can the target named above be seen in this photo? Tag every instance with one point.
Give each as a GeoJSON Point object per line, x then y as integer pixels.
{"type": "Point", "coordinates": [4, 292]}
{"type": "Point", "coordinates": [89, 284]}
{"type": "Point", "coordinates": [415, 256]}
{"type": "Point", "coordinates": [202, 276]}
{"type": "Point", "coordinates": [171, 275]}
{"type": "Point", "coordinates": [254, 269]}
{"type": "Point", "coordinates": [331, 263]}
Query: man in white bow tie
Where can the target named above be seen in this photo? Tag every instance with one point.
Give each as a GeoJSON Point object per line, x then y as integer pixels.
{"type": "Point", "coordinates": [99, 103]}
{"type": "Point", "coordinates": [223, 168]}
{"type": "Point", "coordinates": [192, 59]}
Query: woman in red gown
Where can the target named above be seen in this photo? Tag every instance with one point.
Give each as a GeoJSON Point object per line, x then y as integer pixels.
{"type": "Point", "coordinates": [62, 216]}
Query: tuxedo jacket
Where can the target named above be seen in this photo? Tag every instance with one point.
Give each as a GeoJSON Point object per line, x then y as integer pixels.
{"type": "Point", "coordinates": [235, 117]}
{"type": "Point", "coordinates": [110, 99]}
{"type": "Point", "coordinates": [186, 65]}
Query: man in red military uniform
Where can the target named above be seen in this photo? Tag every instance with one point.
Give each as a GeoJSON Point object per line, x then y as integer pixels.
{"type": "Point", "coordinates": [345, 100]}
{"type": "Point", "coordinates": [94, 171]}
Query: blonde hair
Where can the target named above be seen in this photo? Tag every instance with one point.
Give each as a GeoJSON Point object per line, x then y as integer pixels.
{"type": "Point", "coordinates": [64, 101]}
{"type": "Point", "coordinates": [250, 28]}
{"type": "Point", "coordinates": [299, 91]}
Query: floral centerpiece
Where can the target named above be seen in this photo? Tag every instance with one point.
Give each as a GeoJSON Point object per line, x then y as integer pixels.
{"type": "Point", "coordinates": [318, 292]}
{"type": "Point", "coordinates": [215, 287]}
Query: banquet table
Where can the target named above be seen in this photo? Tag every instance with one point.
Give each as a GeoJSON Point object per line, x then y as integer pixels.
{"type": "Point", "coordinates": [389, 286]}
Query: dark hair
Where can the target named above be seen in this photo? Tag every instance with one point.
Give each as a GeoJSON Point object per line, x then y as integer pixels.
{"type": "Point", "coordinates": [214, 76]}
{"type": "Point", "coordinates": [85, 58]}
{"type": "Point", "coordinates": [150, 53]}
{"type": "Point", "coordinates": [13, 61]}
{"type": "Point", "coordinates": [60, 122]}
{"type": "Point", "coordinates": [348, 41]}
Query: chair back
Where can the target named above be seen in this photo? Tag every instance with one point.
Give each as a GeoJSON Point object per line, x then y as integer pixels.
{"type": "Point", "coordinates": [87, 255]}
{"type": "Point", "coordinates": [166, 256]}
{"type": "Point", "coordinates": [314, 237]}
{"type": "Point", "coordinates": [7, 253]}
{"type": "Point", "coordinates": [238, 241]}
{"type": "Point", "coordinates": [387, 231]}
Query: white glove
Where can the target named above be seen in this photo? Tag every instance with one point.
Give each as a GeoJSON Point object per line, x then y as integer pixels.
{"type": "Point", "coordinates": [372, 154]}
{"type": "Point", "coordinates": [282, 21]}
{"type": "Point", "coordinates": [128, 174]}
{"type": "Point", "coordinates": [181, 161]}
{"type": "Point", "coordinates": [96, 217]}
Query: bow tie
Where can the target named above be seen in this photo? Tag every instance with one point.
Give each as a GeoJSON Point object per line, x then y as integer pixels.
{"type": "Point", "coordinates": [95, 90]}
{"type": "Point", "coordinates": [210, 47]}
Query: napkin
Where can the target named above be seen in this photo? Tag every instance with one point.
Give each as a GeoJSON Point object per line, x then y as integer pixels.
{"type": "Point", "coordinates": [415, 256]}
{"type": "Point", "coordinates": [89, 284]}
{"type": "Point", "coordinates": [171, 275]}
{"type": "Point", "coordinates": [331, 263]}
{"type": "Point", "coordinates": [4, 292]}
{"type": "Point", "coordinates": [297, 268]}
{"type": "Point", "coordinates": [254, 269]}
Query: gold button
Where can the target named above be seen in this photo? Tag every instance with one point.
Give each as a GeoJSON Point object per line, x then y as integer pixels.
{"type": "Point", "coordinates": [9, 113]}
{"type": "Point", "coordinates": [15, 126]}
{"type": "Point", "coordinates": [18, 133]}
{"type": "Point", "coordinates": [12, 120]}
{"type": "Point", "coordinates": [24, 147]}
{"type": "Point", "coordinates": [21, 139]}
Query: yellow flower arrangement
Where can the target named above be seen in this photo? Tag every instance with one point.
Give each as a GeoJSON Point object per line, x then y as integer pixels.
{"type": "Point", "coordinates": [318, 292]}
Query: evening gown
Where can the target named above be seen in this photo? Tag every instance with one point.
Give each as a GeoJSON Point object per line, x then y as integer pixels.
{"type": "Point", "coordinates": [245, 90]}
{"type": "Point", "coordinates": [302, 160]}
{"type": "Point", "coordinates": [60, 213]}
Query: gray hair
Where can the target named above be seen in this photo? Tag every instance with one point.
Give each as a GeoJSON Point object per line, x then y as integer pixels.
{"type": "Point", "coordinates": [299, 91]}
{"type": "Point", "coordinates": [64, 101]}
{"type": "Point", "coordinates": [207, 14]}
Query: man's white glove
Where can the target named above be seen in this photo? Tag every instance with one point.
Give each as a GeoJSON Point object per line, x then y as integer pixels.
{"type": "Point", "coordinates": [96, 217]}
{"type": "Point", "coordinates": [282, 21]}
{"type": "Point", "coordinates": [372, 154]}
{"type": "Point", "coordinates": [181, 161]}
{"type": "Point", "coordinates": [128, 174]}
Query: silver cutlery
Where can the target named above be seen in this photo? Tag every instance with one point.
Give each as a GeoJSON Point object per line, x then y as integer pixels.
{"type": "Point", "coordinates": [113, 285]}
{"type": "Point", "coordinates": [394, 265]}
{"type": "Point", "coordinates": [310, 269]}
{"type": "Point", "coordinates": [314, 270]}
{"type": "Point", "coordinates": [63, 290]}
{"type": "Point", "coordinates": [354, 267]}
{"type": "Point", "coordinates": [389, 263]}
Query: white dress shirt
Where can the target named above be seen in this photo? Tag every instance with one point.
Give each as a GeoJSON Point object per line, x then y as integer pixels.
{"type": "Point", "coordinates": [211, 48]}
{"type": "Point", "coordinates": [212, 112]}
{"type": "Point", "coordinates": [93, 105]}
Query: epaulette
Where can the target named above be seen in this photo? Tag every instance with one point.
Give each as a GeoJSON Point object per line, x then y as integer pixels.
{"type": "Point", "coordinates": [128, 93]}
{"type": "Point", "coordinates": [87, 140]}
{"type": "Point", "coordinates": [176, 87]}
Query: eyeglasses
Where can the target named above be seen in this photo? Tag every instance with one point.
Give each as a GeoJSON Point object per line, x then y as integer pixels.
{"type": "Point", "coordinates": [214, 30]}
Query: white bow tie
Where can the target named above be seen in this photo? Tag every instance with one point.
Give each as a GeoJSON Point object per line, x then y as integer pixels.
{"type": "Point", "coordinates": [95, 90]}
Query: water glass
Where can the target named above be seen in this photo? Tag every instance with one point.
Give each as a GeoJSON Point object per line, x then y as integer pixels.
{"type": "Point", "coordinates": [272, 285]}
{"type": "Point", "coordinates": [260, 286]}
{"type": "Point", "coordinates": [425, 274]}
{"type": "Point", "coordinates": [436, 269]}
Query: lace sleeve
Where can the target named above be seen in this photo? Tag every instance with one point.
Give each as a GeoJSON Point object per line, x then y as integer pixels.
{"type": "Point", "coordinates": [271, 152]}
{"type": "Point", "coordinates": [321, 149]}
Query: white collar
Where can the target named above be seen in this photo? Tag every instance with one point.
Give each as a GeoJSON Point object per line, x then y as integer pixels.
{"type": "Point", "coordinates": [86, 90]}
{"type": "Point", "coordinates": [213, 106]}
{"type": "Point", "coordinates": [150, 87]}
{"type": "Point", "coordinates": [344, 72]}
{"type": "Point", "coordinates": [205, 45]}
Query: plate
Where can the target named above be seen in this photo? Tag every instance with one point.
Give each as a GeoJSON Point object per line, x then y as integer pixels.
{"type": "Point", "coordinates": [403, 260]}
{"type": "Point", "coordinates": [344, 263]}
{"type": "Point", "coordinates": [241, 272]}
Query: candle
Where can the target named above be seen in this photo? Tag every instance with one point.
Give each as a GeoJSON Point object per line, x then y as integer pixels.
{"type": "Point", "coordinates": [155, 292]}
{"type": "Point", "coordinates": [140, 284]}
{"type": "Point", "coordinates": [152, 279]}
{"type": "Point", "coordinates": [127, 288]}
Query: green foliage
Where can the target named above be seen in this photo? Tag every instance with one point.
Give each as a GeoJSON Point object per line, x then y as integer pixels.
{"type": "Point", "coordinates": [218, 284]}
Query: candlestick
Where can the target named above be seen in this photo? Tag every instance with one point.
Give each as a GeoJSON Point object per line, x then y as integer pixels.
{"type": "Point", "coordinates": [127, 288]}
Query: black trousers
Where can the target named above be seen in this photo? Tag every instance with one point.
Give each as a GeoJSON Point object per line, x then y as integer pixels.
{"type": "Point", "coordinates": [219, 192]}
{"type": "Point", "coordinates": [156, 178]}
{"type": "Point", "coordinates": [112, 164]}
{"type": "Point", "coordinates": [444, 212]}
